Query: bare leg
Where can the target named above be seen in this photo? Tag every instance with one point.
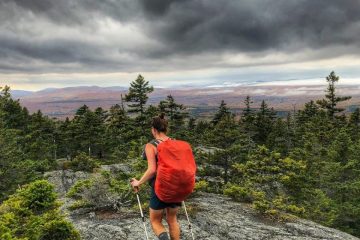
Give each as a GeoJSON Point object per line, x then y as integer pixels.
{"type": "Point", "coordinates": [174, 227]}
{"type": "Point", "coordinates": [156, 221]}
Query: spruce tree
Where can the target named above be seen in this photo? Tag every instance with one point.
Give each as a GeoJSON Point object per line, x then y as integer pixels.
{"type": "Point", "coordinates": [88, 127]}
{"type": "Point", "coordinates": [137, 98]}
{"type": "Point", "coordinates": [223, 111]}
{"type": "Point", "coordinates": [355, 117]}
{"type": "Point", "coordinates": [120, 130]}
{"type": "Point", "coordinates": [12, 114]}
{"type": "Point", "coordinates": [248, 112]}
{"type": "Point", "coordinates": [247, 119]}
{"type": "Point", "coordinates": [331, 99]}
{"type": "Point", "coordinates": [175, 112]}
{"type": "Point", "coordinates": [263, 124]}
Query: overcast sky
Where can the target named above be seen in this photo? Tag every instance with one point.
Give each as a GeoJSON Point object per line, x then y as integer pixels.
{"type": "Point", "coordinates": [56, 43]}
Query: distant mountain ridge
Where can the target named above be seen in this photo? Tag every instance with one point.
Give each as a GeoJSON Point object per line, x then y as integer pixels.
{"type": "Point", "coordinates": [63, 102]}
{"type": "Point", "coordinates": [20, 93]}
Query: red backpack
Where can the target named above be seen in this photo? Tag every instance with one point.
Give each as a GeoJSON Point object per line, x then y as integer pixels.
{"type": "Point", "coordinates": [176, 168]}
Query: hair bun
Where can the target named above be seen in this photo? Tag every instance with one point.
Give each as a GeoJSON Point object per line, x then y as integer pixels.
{"type": "Point", "coordinates": [162, 116]}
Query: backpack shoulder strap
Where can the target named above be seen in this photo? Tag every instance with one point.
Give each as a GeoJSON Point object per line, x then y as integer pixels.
{"type": "Point", "coordinates": [155, 142]}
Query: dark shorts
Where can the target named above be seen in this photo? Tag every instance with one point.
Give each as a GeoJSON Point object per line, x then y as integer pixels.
{"type": "Point", "coordinates": [157, 204]}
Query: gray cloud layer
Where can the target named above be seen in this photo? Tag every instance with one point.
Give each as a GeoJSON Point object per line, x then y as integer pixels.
{"type": "Point", "coordinates": [62, 36]}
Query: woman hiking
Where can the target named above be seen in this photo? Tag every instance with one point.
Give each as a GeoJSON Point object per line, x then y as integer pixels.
{"type": "Point", "coordinates": [157, 207]}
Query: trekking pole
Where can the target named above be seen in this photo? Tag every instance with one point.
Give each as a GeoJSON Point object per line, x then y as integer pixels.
{"type": "Point", "coordinates": [187, 216]}
{"type": "Point", "coordinates": [141, 212]}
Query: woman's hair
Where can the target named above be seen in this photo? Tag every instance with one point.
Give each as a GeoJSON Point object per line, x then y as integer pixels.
{"type": "Point", "coordinates": [160, 123]}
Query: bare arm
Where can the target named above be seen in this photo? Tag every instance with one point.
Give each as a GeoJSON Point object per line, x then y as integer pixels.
{"type": "Point", "coordinates": [150, 152]}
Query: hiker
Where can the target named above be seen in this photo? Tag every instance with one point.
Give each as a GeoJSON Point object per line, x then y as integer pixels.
{"type": "Point", "coordinates": [159, 129]}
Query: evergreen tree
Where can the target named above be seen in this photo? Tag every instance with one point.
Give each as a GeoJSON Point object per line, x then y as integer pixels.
{"type": "Point", "coordinates": [12, 115]}
{"type": "Point", "coordinates": [89, 129]}
{"type": "Point", "coordinates": [247, 114]}
{"type": "Point", "coordinates": [11, 155]}
{"type": "Point", "coordinates": [201, 132]}
{"type": "Point", "coordinates": [100, 117]}
{"type": "Point", "coordinates": [268, 181]}
{"type": "Point", "coordinates": [355, 117]}
{"type": "Point", "coordinates": [39, 141]}
{"type": "Point", "coordinates": [280, 139]}
{"type": "Point", "coordinates": [264, 121]}
{"type": "Point", "coordinates": [120, 130]}
{"type": "Point", "coordinates": [65, 137]}
{"type": "Point", "coordinates": [331, 99]}
{"type": "Point", "coordinates": [176, 113]}
{"type": "Point", "coordinates": [137, 97]}
{"type": "Point", "coordinates": [247, 120]}
{"type": "Point", "coordinates": [310, 110]}
{"type": "Point", "coordinates": [354, 125]}
{"type": "Point", "coordinates": [225, 133]}
{"type": "Point", "coordinates": [191, 124]}
{"type": "Point", "coordinates": [222, 112]}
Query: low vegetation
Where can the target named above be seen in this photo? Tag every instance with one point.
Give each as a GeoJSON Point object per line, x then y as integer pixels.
{"type": "Point", "coordinates": [33, 213]}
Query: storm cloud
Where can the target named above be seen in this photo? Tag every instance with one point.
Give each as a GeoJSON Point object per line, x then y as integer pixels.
{"type": "Point", "coordinates": [44, 36]}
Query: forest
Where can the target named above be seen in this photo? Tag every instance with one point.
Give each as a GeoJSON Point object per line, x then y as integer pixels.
{"type": "Point", "coordinates": [306, 164]}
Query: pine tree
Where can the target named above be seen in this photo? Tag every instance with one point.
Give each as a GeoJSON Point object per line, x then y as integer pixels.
{"type": "Point", "coordinates": [65, 135]}
{"type": "Point", "coordinates": [247, 119]}
{"type": "Point", "coordinates": [117, 117]}
{"type": "Point", "coordinates": [331, 99]}
{"type": "Point", "coordinates": [10, 158]}
{"type": "Point", "coordinates": [264, 121]}
{"type": "Point", "coordinates": [354, 124]}
{"type": "Point", "coordinates": [88, 127]}
{"type": "Point", "coordinates": [138, 97]}
{"type": "Point", "coordinates": [355, 117]}
{"type": "Point", "coordinates": [310, 110]}
{"type": "Point", "coordinates": [248, 112]}
{"type": "Point", "coordinates": [120, 131]}
{"type": "Point", "coordinates": [100, 117]}
{"type": "Point", "coordinates": [12, 114]}
{"type": "Point", "coordinates": [191, 124]}
{"type": "Point", "coordinates": [223, 111]}
{"type": "Point", "coordinates": [176, 113]}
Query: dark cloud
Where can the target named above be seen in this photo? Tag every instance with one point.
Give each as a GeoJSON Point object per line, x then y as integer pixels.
{"type": "Point", "coordinates": [181, 30]}
{"type": "Point", "coordinates": [256, 25]}
{"type": "Point", "coordinates": [78, 12]}
{"type": "Point", "coordinates": [159, 7]}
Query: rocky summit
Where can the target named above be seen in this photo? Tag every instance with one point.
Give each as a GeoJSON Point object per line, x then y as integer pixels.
{"type": "Point", "coordinates": [213, 217]}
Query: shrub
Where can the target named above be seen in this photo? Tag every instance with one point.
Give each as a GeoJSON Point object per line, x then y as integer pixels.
{"type": "Point", "coordinates": [201, 186]}
{"type": "Point", "coordinates": [268, 181]}
{"type": "Point", "coordinates": [102, 191]}
{"type": "Point", "coordinates": [238, 193]}
{"type": "Point", "coordinates": [83, 162]}
{"type": "Point", "coordinates": [33, 213]}
{"type": "Point", "coordinates": [59, 230]}
{"type": "Point", "coordinates": [76, 190]}
{"type": "Point", "coordinates": [261, 205]}
{"type": "Point", "coordinates": [79, 204]}
{"type": "Point", "coordinates": [39, 196]}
